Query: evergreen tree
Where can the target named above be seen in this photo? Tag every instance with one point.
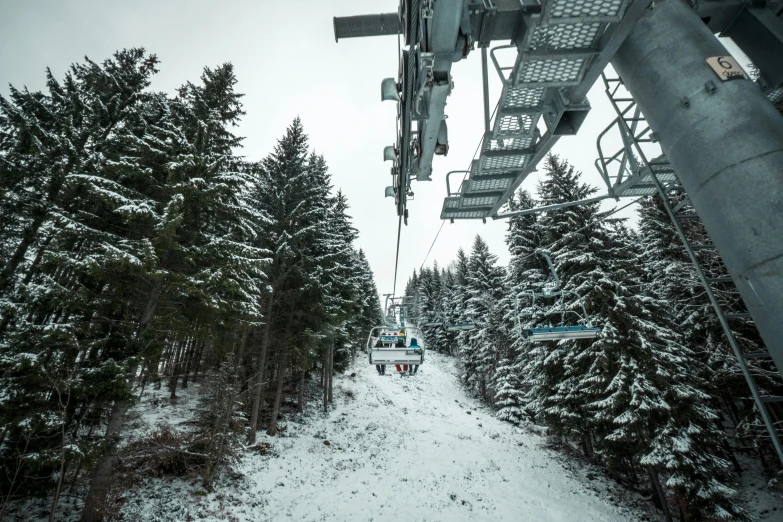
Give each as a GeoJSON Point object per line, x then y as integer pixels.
{"type": "Point", "coordinates": [140, 246]}
{"type": "Point", "coordinates": [525, 274]}
{"type": "Point", "coordinates": [484, 288]}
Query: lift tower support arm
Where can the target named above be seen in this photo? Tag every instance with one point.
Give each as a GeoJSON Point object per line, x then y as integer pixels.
{"type": "Point", "coordinates": [725, 141]}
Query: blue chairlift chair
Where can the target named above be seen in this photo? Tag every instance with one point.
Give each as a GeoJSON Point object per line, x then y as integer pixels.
{"type": "Point", "coordinates": [460, 326]}
{"type": "Point", "coordinates": [562, 332]}
{"type": "Point", "coordinates": [556, 333]}
{"type": "Point", "coordinates": [449, 327]}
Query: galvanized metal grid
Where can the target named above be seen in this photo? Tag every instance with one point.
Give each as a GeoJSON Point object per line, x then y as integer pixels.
{"type": "Point", "coordinates": [496, 173]}
{"type": "Point", "coordinates": [464, 214]}
{"type": "Point", "coordinates": [521, 97]}
{"type": "Point", "coordinates": [512, 161]}
{"type": "Point", "coordinates": [517, 143]}
{"type": "Point", "coordinates": [560, 71]}
{"type": "Point", "coordinates": [479, 201]}
{"type": "Point", "coordinates": [556, 53]}
{"type": "Point", "coordinates": [514, 124]}
{"type": "Point", "coordinates": [663, 177]}
{"type": "Point", "coordinates": [486, 185]}
{"type": "Point", "coordinates": [565, 36]}
{"type": "Point", "coordinates": [586, 10]}
{"type": "Point", "coordinates": [776, 95]}
{"type": "Point", "coordinates": [639, 191]}
{"type": "Point", "coordinates": [451, 202]}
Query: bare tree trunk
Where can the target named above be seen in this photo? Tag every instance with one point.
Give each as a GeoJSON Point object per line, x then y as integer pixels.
{"type": "Point", "coordinates": [191, 354]}
{"type": "Point", "coordinates": [176, 366]}
{"type": "Point", "coordinates": [58, 489]}
{"type": "Point", "coordinates": [222, 423]}
{"type": "Point", "coordinates": [94, 504]}
{"type": "Point", "coordinates": [199, 356]}
{"type": "Point", "coordinates": [272, 430]}
{"type": "Point", "coordinates": [300, 396]}
{"type": "Point", "coordinates": [168, 358]}
{"type": "Point", "coordinates": [324, 379]}
{"type": "Point", "coordinates": [660, 493]}
{"type": "Point", "coordinates": [99, 486]}
{"type": "Point", "coordinates": [331, 369]}
{"type": "Point", "coordinates": [258, 385]}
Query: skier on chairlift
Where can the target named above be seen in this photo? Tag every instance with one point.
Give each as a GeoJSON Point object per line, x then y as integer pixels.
{"type": "Point", "coordinates": [380, 367]}
{"type": "Point", "coordinates": [414, 346]}
{"type": "Point", "coordinates": [401, 344]}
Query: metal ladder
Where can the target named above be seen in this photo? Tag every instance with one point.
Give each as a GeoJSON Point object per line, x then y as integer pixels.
{"type": "Point", "coordinates": [659, 172]}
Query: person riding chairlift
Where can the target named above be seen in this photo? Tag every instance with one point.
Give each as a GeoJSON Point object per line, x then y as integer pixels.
{"type": "Point", "coordinates": [414, 346]}
{"type": "Point", "coordinates": [401, 344]}
{"type": "Point", "coordinates": [380, 367]}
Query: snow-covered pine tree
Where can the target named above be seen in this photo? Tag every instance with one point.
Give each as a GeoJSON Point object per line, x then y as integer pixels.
{"type": "Point", "coordinates": [48, 137]}
{"type": "Point", "coordinates": [412, 295]}
{"type": "Point", "coordinates": [135, 247]}
{"type": "Point", "coordinates": [484, 287]}
{"type": "Point", "coordinates": [674, 280]}
{"type": "Point", "coordinates": [74, 267]}
{"type": "Point", "coordinates": [443, 337]}
{"type": "Point", "coordinates": [371, 312]}
{"type": "Point", "coordinates": [524, 274]}
{"type": "Point", "coordinates": [459, 300]}
{"type": "Point", "coordinates": [429, 302]}
{"type": "Point", "coordinates": [619, 394]}
{"type": "Point", "coordinates": [279, 194]}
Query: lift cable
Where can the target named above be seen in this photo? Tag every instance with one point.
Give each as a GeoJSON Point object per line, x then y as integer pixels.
{"type": "Point", "coordinates": [443, 221]}
{"type": "Point", "coordinates": [613, 211]}
{"type": "Point", "coordinates": [397, 256]}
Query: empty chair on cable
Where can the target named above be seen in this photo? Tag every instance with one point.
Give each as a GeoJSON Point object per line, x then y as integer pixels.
{"type": "Point", "coordinates": [556, 333]}
{"type": "Point", "coordinates": [561, 332]}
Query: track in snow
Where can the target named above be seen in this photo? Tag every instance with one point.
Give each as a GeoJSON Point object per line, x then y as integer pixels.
{"type": "Point", "coordinates": [414, 448]}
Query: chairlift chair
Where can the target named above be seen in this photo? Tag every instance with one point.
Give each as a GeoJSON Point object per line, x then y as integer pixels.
{"type": "Point", "coordinates": [562, 332]}
{"type": "Point", "coordinates": [450, 327]}
{"type": "Point", "coordinates": [558, 333]}
{"type": "Point", "coordinates": [389, 345]}
{"type": "Point", "coordinates": [460, 326]}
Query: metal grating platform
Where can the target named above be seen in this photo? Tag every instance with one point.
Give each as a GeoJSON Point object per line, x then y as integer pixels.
{"type": "Point", "coordinates": [584, 10]}
{"type": "Point", "coordinates": [556, 52]}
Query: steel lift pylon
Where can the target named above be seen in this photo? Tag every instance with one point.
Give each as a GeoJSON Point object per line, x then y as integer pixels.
{"type": "Point", "coordinates": [658, 176]}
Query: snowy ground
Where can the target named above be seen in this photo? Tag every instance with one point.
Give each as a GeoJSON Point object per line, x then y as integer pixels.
{"type": "Point", "coordinates": [395, 448]}
{"type": "Point", "coordinates": [392, 448]}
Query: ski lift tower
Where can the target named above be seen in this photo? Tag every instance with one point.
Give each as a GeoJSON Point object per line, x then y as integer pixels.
{"type": "Point", "coordinates": [721, 133]}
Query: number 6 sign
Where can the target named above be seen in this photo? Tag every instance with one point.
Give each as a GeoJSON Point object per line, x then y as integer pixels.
{"type": "Point", "coordinates": [726, 68]}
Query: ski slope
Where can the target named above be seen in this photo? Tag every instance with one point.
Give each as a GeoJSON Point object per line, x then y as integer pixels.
{"type": "Point", "coordinates": [415, 448]}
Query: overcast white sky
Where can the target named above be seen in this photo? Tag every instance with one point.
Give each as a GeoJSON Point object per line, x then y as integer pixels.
{"type": "Point", "coordinates": [289, 65]}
